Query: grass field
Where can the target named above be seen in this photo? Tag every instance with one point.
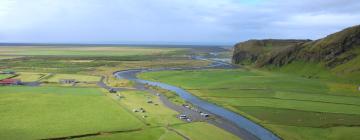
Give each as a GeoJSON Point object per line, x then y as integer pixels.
{"type": "Point", "coordinates": [4, 76]}
{"type": "Point", "coordinates": [147, 134]}
{"type": "Point", "coordinates": [58, 110]}
{"type": "Point", "coordinates": [47, 112]}
{"type": "Point", "coordinates": [293, 107]}
{"type": "Point", "coordinates": [157, 115]}
{"type": "Point", "coordinates": [161, 121]}
{"type": "Point", "coordinates": [81, 78]}
{"type": "Point", "coordinates": [30, 76]}
{"type": "Point", "coordinates": [193, 131]}
{"type": "Point", "coordinates": [50, 112]}
{"type": "Point", "coordinates": [85, 60]}
{"type": "Point", "coordinates": [196, 131]}
{"type": "Point", "coordinates": [8, 57]}
{"type": "Point", "coordinates": [348, 72]}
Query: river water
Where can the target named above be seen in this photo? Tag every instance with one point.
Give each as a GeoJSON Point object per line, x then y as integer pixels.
{"type": "Point", "coordinates": [234, 118]}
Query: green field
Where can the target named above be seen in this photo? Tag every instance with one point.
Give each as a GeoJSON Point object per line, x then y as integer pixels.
{"type": "Point", "coordinates": [4, 76]}
{"type": "Point", "coordinates": [157, 115]}
{"type": "Point", "coordinates": [293, 107]}
{"type": "Point", "coordinates": [8, 57]}
{"type": "Point", "coordinates": [48, 112]}
{"type": "Point", "coordinates": [348, 72]}
{"type": "Point", "coordinates": [30, 76]}
{"type": "Point", "coordinates": [51, 112]}
{"type": "Point", "coordinates": [91, 60]}
{"type": "Point", "coordinates": [147, 134]}
{"type": "Point", "coordinates": [162, 121]}
{"type": "Point", "coordinates": [193, 131]}
{"type": "Point", "coordinates": [54, 110]}
{"type": "Point", "coordinates": [82, 78]}
{"type": "Point", "coordinates": [196, 131]}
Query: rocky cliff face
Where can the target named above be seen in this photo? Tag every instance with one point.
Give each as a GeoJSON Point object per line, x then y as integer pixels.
{"type": "Point", "coordinates": [332, 50]}
{"type": "Point", "coordinates": [261, 52]}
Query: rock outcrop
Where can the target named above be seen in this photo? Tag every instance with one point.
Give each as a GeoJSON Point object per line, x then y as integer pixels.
{"type": "Point", "coordinates": [333, 50]}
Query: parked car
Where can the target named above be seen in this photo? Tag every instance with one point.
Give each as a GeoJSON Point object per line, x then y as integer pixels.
{"type": "Point", "coordinates": [182, 116]}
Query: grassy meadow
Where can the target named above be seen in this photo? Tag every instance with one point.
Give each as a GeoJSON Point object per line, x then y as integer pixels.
{"type": "Point", "coordinates": [30, 76]}
{"type": "Point", "coordinates": [292, 106]}
{"type": "Point", "coordinates": [80, 60]}
{"type": "Point", "coordinates": [78, 77]}
{"type": "Point", "coordinates": [156, 115]}
{"type": "Point", "coordinates": [49, 112]}
{"type": "Point", "coordinates": [161, 121]}
{"type": "Point", "coordinates": [4, 76]}
{"type": "Point", "coordinates": [146, 134]}
{"type": "Point", "coordinates": [54, 110]}
{"type": "Point", "coordinates": [193, 131]}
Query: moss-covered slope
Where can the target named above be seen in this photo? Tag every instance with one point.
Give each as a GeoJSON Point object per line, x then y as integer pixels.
{"type": "Point", "coordinates": [338, 53]}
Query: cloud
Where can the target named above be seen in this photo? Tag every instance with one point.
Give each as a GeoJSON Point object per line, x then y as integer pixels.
{"type": "Point", "coordinates": [319, 20]}
{"type": "Point", "coordinates": [196, 21]}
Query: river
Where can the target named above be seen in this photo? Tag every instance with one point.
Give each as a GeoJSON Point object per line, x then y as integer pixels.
{"type": "Point", "coordinates": [256, 130]}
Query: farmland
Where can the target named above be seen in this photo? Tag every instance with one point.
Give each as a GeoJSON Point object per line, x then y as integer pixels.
{"type": "Point", "coordinates": [192, 131]}
{"type": "Point", "coordinates": [156, 115]}
{"type": "Point", "coordinates": [55, 110]}
{"type": "Point", "coordinates": [50, 112]}
{"type": "Point", "coordinates": [4, 76]}
{"type": "Point", "coordinates": [293, 107]}
{"type": "Point", "coordinates": [30, 76]}
{"type": "Point", "coordinates": [83, 78]}
{"type": "Point", "coordinates": [47, 112]}
{"type": "Point", "coordinates": [162, 122]}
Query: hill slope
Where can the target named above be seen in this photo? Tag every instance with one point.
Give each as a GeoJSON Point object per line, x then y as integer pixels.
{"type": "Point", "coordinates": [336, 54]}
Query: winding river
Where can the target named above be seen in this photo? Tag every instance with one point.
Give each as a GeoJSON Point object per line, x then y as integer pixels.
{"type": "Point", "coordinates": [258, 131]}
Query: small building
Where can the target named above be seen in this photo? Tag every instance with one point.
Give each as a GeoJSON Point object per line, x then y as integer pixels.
{"type": "Point", "coordinates": [10, 82]}
{"type": "Point", "coordinates": [67, 81]}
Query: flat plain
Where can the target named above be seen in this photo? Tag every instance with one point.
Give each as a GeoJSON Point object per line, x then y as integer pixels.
{"type": "Point", "coordinates": [56, 110]}
{"type": "Point", "coordinates": [51, 112]}
{"type": "Point", "coordinates": [293, 107]}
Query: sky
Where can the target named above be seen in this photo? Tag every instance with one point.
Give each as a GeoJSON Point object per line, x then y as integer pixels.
{"type": "Point", "coordinates": [172, 21]}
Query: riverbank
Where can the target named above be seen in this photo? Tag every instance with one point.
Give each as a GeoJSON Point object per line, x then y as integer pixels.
{"type": "Point", "coordinates": [235, 119]}
{"type": "Point", "coordinates": [292, 107]}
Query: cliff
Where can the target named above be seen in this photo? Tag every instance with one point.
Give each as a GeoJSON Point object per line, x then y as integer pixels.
{"type": "Point", "coordinates": [333, 50]}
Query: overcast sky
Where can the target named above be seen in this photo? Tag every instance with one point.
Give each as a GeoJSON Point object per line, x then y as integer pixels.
{"type": "Point", "coordinates": [172, 21]}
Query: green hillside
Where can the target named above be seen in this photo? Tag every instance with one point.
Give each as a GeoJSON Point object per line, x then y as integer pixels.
{"type": "Point", "coordinates": [334, 57]}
